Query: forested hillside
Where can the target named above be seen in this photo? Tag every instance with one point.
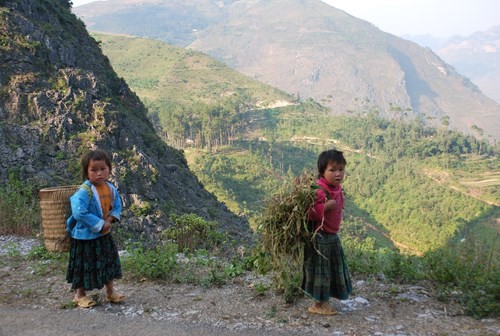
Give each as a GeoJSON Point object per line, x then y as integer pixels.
{"type": "Point", "coordinates": [245, 151]}
{"type": "Point", "coordinates": [189, 95]}
{"type": "Point", "coordinates": [389, 182]}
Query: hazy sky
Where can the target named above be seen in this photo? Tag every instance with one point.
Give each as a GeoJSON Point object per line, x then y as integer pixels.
{"type": "Point", "coordinates": [440, 18]}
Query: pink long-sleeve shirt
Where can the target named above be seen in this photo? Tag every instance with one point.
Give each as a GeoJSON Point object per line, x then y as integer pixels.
{"type": "Point", "coordinates": [330, 219]}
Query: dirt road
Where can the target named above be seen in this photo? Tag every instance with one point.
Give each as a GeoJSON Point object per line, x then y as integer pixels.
{"type": "Point", "coordinates": [23, 321]}
{"type": "Point", "coordinates": [36, 300]}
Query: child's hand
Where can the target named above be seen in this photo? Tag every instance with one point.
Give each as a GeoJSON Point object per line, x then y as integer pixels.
{"type": "Point", "coordinates": [106, 227]}
{"type": "Point", "coordinates": [330, 204]}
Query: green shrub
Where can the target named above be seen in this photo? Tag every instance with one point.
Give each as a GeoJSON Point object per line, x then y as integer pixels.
{"type": "Point", "coordinates": [259, 261]}
{"type": "Point", "coordinates": [167, 264]}
{"type": "Point", "coordinates": [191, 232]}
{"type": "Point", "coordinates": [482, 298]}
{"type": "Point", "coordinates": [404, 267]}
{"type": "Point", "coordinates": [471, 267]}
{"type": "Point", "coordinates": [143, 209]}
{"type": "Point", "coordinates": [261, 288]}
{"type": "Point", "coordinates": [363, 257]}
{"type": "Point", "coordinates": [41, 253]}
{"type": "Point", "coordinates": [19, 208]}
{"type": "Point", "coordinates": [159, 263]}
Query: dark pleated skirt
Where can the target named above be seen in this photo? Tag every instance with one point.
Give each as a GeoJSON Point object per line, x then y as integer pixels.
{"type": "Point", "coordinates": [326, 273]}
{"type": "Point", "coordinates": [93, 263]}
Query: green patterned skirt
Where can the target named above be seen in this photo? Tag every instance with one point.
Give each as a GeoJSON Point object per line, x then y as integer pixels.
{"type": "Point", "coordinates": [93, 263]}
{"type": "Point", "coordinates": [326, 273]}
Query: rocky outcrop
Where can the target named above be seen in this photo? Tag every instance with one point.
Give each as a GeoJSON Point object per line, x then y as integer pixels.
{"type": "Point", "coordinates": [59, 97]}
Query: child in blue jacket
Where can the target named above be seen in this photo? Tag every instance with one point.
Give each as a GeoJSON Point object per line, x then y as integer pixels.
{"type": "Point", "coordinates": [94, 262]}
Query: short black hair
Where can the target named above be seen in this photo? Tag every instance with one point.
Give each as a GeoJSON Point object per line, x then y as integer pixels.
{"type": "Point", "coordinates": [94, 155]}
{"type": "Point", "coordinates": [328, 156]}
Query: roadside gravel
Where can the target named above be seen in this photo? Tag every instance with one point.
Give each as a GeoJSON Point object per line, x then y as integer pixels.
{"type": "Point", "coordinates": [37, 289]}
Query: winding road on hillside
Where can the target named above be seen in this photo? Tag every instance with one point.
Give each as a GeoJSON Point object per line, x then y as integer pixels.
{"type": "Point", "coordinates": [444, 179]}
{"type": "Point", "coordinates": [399, 245]}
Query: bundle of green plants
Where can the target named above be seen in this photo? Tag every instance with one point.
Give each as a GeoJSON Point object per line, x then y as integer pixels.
{"type": "Point", "coordinates": [284, 230]}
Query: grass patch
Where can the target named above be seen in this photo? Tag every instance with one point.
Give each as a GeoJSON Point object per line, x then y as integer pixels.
{"type": "Point", "coordinates": [19, 207]}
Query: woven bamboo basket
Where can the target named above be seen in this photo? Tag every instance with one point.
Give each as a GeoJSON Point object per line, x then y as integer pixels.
{"type": "Point", "coordinates": [55, 209]}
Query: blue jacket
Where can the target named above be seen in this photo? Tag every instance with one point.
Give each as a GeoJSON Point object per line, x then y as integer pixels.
{"type": "Point", "coordinates": [86, 220]}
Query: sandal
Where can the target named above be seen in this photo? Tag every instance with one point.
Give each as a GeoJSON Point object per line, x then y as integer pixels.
{"type": "Point", "coordinates": [115, 297]}
{"type": "Point", "coordinates": [84, 302]}
{"type": "Point", "coordinates": [322, 310]}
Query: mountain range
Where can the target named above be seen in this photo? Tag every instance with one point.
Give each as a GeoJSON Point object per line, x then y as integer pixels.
{"type": "Point", "coordinates": [478, 57]}
{"type": "Point", "coordinates": [310, 49]}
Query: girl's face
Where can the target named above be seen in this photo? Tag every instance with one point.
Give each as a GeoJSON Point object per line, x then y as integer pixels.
{"type": "Point", "coordinates": [98, 172]}
{"type": "Point", "coordinates": [334, 173]}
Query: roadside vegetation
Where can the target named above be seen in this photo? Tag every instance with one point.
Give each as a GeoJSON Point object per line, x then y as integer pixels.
{"type": "Point", "coordinates": [19, 207]}
{"type": "Point", "coordinates": [465, 270]}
